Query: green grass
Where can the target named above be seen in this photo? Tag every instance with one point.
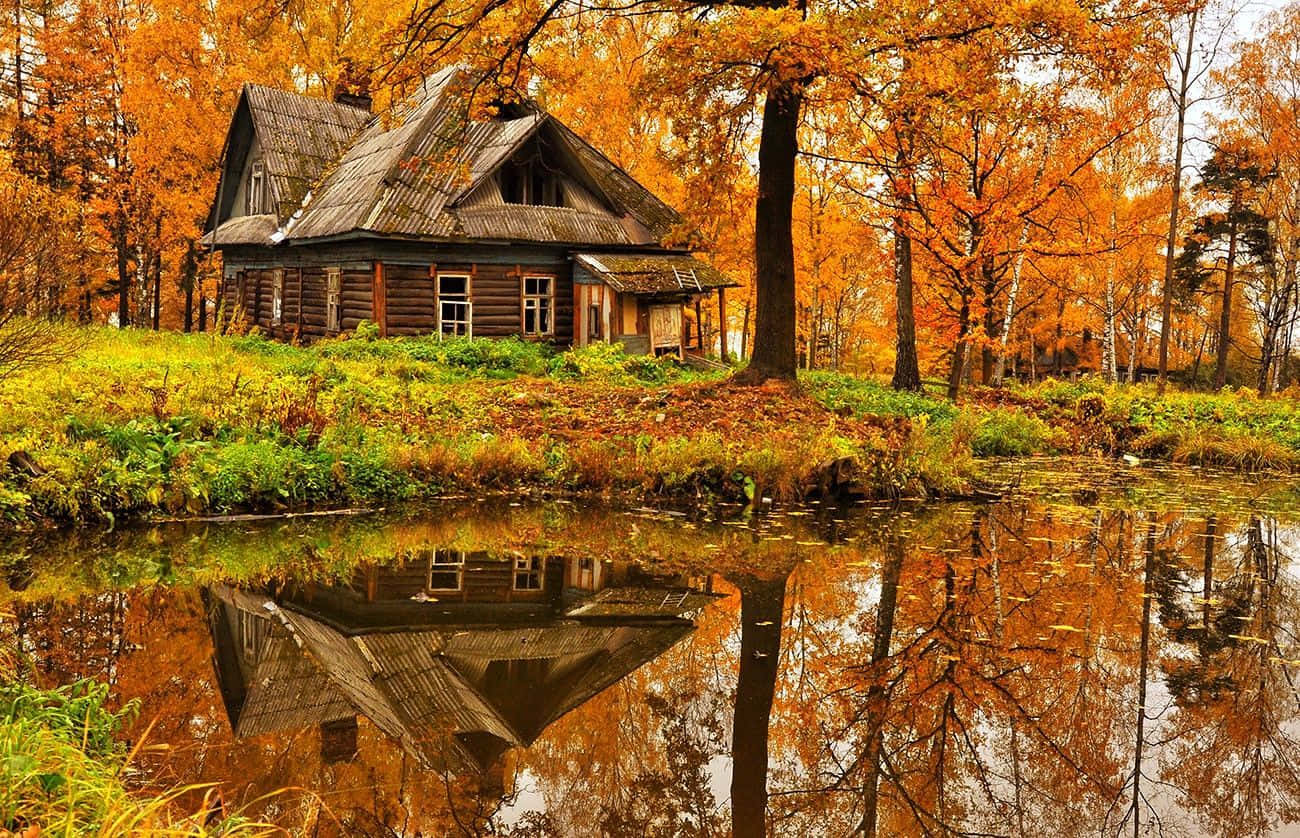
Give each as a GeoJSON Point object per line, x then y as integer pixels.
{"type": "Point", "coordinates": [62, 771]}
{"type": "Point", "coordinates": [140, 422]}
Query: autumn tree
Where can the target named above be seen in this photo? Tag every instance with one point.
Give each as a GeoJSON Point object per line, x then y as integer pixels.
{"type": "Point", "coordinates": [1231, 178]}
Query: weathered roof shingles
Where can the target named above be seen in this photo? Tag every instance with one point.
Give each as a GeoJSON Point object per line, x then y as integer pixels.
{"type": "Point", "coordinates": [337, 171]}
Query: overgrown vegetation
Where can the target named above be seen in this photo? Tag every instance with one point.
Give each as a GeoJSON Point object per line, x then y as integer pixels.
{"type": "Point", "coordinates": [141, 422]}
{"type": "Point", "coordinates": [61, 771]}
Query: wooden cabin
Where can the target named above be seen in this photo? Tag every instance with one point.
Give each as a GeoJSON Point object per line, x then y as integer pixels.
{"type": "Point", "coordinates": [426, 221]}
{"type": "Point", "coordinates": [455, 656]}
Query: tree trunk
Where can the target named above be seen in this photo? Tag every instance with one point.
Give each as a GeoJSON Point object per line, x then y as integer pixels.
{"type": "Point", "coordinates": [123, 276]}
{"type": "Point", "coordinates": [958, 368]}
{"type": "Point", "coordinates": [762, 607]}
{"type": "Point", "coordinates": [774, 318]}
{"type": "Point", "coordinates": [157, 290]}
{"type": "Point", "coordinates": [987, 358]}
{"type": "Point", "coordinates": [1108, 360]}
{"type": "Point", "coordinates": [1225, 311]}
{"type": "Point", "coordinates": [1176, 190]}
{"type": "Point", "coordinates": [1144, 655]}
{"type": "Point", "coordinates": [907, 372]}
{"type": "Point", "coordinates": [877, 697]}
{"type": "Point", "coordinates": [188, 272]}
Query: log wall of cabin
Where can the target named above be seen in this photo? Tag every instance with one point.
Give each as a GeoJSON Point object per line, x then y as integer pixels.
{"type": "Point", "coordinates": [483, 579]}
{"type": "Point", "coordinates": [411, 306]}
{"type": "Point", "coordinates": [356, 297]}
{"type": "Point", "coordinates": [408, 284]}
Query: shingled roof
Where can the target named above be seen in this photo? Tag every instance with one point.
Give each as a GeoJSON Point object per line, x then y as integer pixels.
{"type": "Point", "coordinates": [300, 136]}
{"type": "Point", "coordinates": [414, 172]}
{"type": "Point", "coordinates": [656, 273]}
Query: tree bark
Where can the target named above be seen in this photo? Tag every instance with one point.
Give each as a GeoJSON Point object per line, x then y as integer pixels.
{"type": "Point", "coordinates": [1225, 311]}
{"type": "Point", "coordinates": [958, 368]}
{"type": "Point", "coordinates": [762, 607]}
{"type": "Point", "coordinates": [774, 318]}
{"type": "Point", "coordinates": [907, 372]}
{"type": "Point", "coordinates": [1176, 193]}
{"type": "Point", "coordinates": [123, 275]}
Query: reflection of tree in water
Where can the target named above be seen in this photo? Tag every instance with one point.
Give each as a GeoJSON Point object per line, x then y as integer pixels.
{"type": "Point", "coordinates": [1237, 757]}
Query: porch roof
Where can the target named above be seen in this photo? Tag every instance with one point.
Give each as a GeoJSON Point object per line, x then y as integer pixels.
{"type": "Point", "coordinates": [653, 273]}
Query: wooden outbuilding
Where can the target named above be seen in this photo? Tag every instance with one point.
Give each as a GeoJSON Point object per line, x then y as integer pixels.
{"type": "Point", "coordinates": [426, 220]}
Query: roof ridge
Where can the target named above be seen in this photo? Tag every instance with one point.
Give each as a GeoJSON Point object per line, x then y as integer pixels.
{"type": "Point", "coordinates": [299, 95]}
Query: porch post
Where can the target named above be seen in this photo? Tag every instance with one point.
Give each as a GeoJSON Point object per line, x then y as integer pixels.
{"type": "Point", "coordinates": [379, 300]}
{"type": "Point", "coordinates": [722, 323]}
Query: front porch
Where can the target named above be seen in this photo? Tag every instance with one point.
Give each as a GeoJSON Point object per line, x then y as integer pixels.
{"type": "Point", "coordinates": [650, 303]}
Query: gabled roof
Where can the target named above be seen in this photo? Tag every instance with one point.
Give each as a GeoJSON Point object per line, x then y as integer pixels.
{"type": "Point", "coordinates": [413, 173]}
{"type": "Point", "coordinates": [299, 137]}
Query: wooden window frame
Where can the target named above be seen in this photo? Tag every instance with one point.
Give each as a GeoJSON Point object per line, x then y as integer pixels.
{"type": "Point", "coordinates": [248, 631]}
{"type": "Point", "coordinates": [529, 569]}
{"type": "Point", "coordinates": [333, 300]}
{"type": "Point", "coordinates": [525, 298]}
{"type": "Point", "coordinates": [457, 566]}
{"type": "Point", "coordinates": [468, 309]}
{"type": "Point", "coordinates": [277, 296]}
{"type": "Point", "coordinates": [255, 199]}
{"type": "Point", "coordinates": [586, 573]}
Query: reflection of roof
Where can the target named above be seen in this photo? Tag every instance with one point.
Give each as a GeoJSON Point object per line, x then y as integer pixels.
{"type": "Point", "coordinates": [643, 602]}
{"type": "Point", "coordinates": [468, 692]}
{"type": "Point", "coordinates": [653, 273]}
{"type": "Point", "coordinates": [414, 172]}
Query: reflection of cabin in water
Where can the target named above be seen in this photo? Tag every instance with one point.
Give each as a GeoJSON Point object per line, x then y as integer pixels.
{"type": "Point", "coordinates": [456, 657]}
{"type": "Point", "coordinates": [430, 221]}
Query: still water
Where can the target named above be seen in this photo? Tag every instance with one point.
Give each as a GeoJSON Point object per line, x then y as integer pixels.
{"type": "Point", "coordinates": [1064, 661]}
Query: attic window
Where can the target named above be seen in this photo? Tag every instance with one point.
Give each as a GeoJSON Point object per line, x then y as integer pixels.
{"type": "Point", "coordinates": [532, 184]}
{"type": "Point", "coordinates": [256, 189]}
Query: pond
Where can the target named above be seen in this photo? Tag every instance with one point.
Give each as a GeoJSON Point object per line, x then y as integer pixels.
{"type": "Point", "coordinates": [1091, 650]}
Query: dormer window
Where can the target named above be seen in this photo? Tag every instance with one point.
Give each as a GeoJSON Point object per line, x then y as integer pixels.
{"type": "Point", "coordinates": [256, 189]}
{"type": "Point", "coordinates": [531, 183]}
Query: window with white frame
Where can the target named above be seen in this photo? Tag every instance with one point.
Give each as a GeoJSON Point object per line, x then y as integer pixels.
{"type": "Point", "coordinates": [333, 293]}
{"type": "Point", "coordinates": [256, 194]}
{"type": "Point", "coordinates": [528, 573]}
{"type": "Point", "coordinates": [539, 305]}
{"type": "Point", "coordinates": [454, 312]}
{"type": "Point", "coordinates": [446, 570]}
{"type": "Point", "coordinates": [277, 296]}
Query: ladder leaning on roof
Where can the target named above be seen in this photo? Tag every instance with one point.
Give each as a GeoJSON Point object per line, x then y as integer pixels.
{"type": "Point", "coordinates": [684, 274]}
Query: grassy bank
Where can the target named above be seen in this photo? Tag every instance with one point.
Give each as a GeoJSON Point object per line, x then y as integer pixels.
{"type": "Point", "coordinates": [62, 772]}
{"type": "Point", "coordinates": [139, 422]}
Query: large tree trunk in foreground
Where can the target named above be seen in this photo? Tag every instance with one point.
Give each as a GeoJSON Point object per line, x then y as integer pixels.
{"type": "Point", "coordinates": [1167, 293]}
{"type": "Point", "coordinates": [778, 149]}
{"type": "Point", "coordinates": [762, 605]}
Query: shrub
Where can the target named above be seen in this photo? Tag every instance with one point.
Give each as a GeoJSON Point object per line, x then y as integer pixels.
{"type": "Point", "coordinates": [61, 771]}
{"type": "Point", "coordinates": [1009, 433]}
